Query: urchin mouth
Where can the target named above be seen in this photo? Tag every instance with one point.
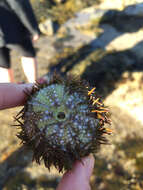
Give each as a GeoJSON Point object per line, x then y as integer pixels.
{"type": "Point", "coordinates": [61, 115]}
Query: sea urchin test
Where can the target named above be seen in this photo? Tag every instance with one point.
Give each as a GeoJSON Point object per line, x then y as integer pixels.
{"type": "Point", "coordinates": [62, 121]}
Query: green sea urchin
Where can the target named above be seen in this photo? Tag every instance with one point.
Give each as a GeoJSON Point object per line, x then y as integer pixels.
{"type": "Point", "coordinates": [62, 121]}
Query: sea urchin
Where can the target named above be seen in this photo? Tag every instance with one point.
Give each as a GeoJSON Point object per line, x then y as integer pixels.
{"type": "Point", "coordinates": [62, 121]}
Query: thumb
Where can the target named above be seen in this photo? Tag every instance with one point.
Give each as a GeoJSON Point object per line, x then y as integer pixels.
{"type": "Point", "coordinates": [78, 178]}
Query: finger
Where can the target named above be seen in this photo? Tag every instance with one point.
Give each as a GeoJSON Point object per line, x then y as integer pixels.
{"type": "Point", "coordinates": [12, 95]}
{"type": "Point", "coordinates": [78, 178]}
{"type": "Point", "coordinates": [35, 37]}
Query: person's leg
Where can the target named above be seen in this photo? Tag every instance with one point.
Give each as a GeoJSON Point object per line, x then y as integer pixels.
{"type": "Point", "coordinates": [6, 73]}
{"type": "Point", "coordinates": [28, 59]}
{"type": "Point", "coordinates": [29, 65]}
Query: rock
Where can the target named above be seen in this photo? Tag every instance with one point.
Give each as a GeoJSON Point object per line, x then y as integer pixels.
{"type": "Point", "coordinates": [84, 27]}
{"type": "Point", "coordinates": [112, 4]}
{"type": "Point", "coordinates": [74, 38]}
{"type": "Point", "coordinates": [118, 40]}
{"type": "Point", "coordinates": [89, 15]}
{"type": "Point", "coordinates": [134, 10]}
{"type": "Point", "coordinates": [131, 2]}
{"type": "Point", "coordinates": [108, 35]}
{"type": "Point", "coordinates": [47, 27]}
{"type": "Point", "coordinates": [138, 50]}
{"type": "Point", "coordinates": [84, 18]}
{"type": "Point", "coordinates": [128, 96]}
{"type": "Point", "coordinates": [118, 4]}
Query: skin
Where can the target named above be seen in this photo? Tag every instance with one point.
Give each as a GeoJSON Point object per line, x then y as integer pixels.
{"type": "Point", "coordinates": [79, 177]}
{"type": "Point", "coordinates": [12, 95]}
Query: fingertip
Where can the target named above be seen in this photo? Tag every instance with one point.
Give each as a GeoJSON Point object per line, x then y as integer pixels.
{"type": "Point", "coordinates": [13, 95]}
{"type": "Point", "coordinates": [78, 178]}
{"type": "Point", "coordinates": [88, 165]}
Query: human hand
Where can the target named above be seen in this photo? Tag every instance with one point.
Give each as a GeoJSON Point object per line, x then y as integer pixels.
{"type": "Point", "coordinates": [78, 178]}
{"type": "Point", "coordinates": [35, 37]}
{"type": "Point", "coordinates": [12, 95]}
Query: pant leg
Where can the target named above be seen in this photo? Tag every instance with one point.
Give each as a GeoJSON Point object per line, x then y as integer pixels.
{"type": "Point", "coordinates": [25, 48]}
{"type": "Point", "coordinates": [5, 57]}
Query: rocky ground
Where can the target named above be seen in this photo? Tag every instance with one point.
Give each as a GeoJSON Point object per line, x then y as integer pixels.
{"type": "Point", "coordinates": [106, 50]}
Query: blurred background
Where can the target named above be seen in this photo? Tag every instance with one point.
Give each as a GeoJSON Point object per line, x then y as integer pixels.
{"type": "Point", "coordinates": [102, 41]}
